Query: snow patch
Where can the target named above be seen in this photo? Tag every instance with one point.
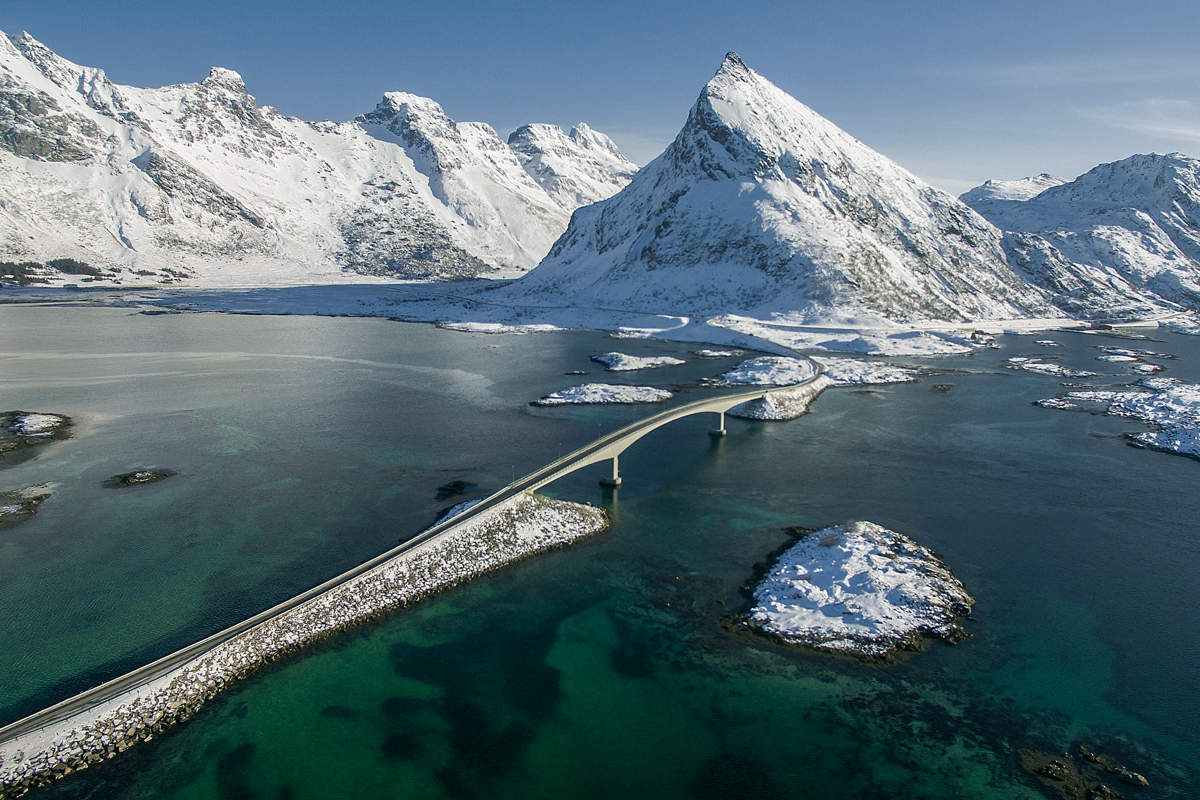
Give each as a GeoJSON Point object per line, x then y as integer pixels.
{"type": "Point", "coordinates": [603, 393]}
{"type": "Point", "coordinates": [621, 362]}
{"type": "Point", "coordinates": [771, 371]}
{"type": "Point", "coordinates": [855, 372]}
{"type": "Point", "coordinates": [1046, 368]}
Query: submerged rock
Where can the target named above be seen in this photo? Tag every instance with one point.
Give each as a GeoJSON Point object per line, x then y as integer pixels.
{"type": "Point", "coordinates": [861, 590]}
{"type": "Point", "coordinates": [137, 478]}
{"type": "Point", "coordinates": [1072, 780]}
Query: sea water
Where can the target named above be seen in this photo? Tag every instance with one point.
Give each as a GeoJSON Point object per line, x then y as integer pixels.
{"type": "Point", "coordinates": [305, 445]}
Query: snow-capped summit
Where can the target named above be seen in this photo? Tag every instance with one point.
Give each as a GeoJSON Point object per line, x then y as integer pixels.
{"type": "Point", "coordinates": [1021, 189]}
{"type": "Point", "coordinates": [198, 182]}
{"type": "Point", "coordinates": [575, 168]}
{"type": "Point", "coordinates": [762, 206]}
{"type": "Point", "coordinates": [227, 78]}
{"type": "Point", "coordinates": [1122, 237]}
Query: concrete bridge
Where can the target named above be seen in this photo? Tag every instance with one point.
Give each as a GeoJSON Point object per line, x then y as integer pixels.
{"type": "Point", "coordinates": [611, 447]}
{"type": "Point", "coordinates": [606, 448]}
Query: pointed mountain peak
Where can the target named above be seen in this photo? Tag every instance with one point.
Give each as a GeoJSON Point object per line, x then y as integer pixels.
{"type": "Point", "coordinates": [733, 62]}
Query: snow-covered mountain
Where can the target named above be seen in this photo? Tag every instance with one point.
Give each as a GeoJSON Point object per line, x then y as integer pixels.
{"type": "Point", "coordinates": [1121, 238]}
{"type": "Point", "coordinates": [760, 206]}
{"type": "Point", "coordinates": [199, 180]}
{"type": "Point", "coordinates": [1021, 189]}
{"type": "Point", "coordinates": [576, 168]}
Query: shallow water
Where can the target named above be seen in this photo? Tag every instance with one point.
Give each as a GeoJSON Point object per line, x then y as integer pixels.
{"type": "Point", "coordinates": [306, 445]}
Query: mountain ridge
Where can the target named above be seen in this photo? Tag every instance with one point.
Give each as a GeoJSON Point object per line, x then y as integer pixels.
{"type": "Point", "coordinates": [200, 179]}
{"type": "Point", "coordinates": [1124, 237]}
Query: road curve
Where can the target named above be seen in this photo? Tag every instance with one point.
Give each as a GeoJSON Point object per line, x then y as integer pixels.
{"type": "Point", "coordinates": [590, 453]}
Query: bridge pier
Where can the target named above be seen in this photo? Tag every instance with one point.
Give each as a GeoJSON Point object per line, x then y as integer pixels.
{"type": "Point", "coordinates": [615, 480]}
{"type": "Point", "coordinates": [720, 429]}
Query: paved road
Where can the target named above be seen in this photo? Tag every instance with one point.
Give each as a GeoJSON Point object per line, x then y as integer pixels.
{"type": "Point", "coordinates": [594, 452]}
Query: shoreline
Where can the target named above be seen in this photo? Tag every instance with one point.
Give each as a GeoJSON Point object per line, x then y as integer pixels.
{"type": "Point", "coordinates": [467, 306]}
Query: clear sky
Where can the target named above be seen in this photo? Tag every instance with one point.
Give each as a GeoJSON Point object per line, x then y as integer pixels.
{"type": "Point", "coordinates": [955, 91]}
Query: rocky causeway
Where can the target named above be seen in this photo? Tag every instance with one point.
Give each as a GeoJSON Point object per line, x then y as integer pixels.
{"type": "Point", "coordinates": [518, 528]}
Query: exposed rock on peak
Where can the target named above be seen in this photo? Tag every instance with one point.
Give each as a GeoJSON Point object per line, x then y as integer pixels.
{"type": "Point", "coordinates": [225, 78]}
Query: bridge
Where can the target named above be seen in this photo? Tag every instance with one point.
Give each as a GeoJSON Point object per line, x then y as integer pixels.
{"type": "Point", "coordinates": [606, 448]}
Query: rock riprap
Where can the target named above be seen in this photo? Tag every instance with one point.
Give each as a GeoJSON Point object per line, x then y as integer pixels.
{"type": "Point", "coordinates": [520, 527]}
{"type": "Point", "coordinates": [859, 589]}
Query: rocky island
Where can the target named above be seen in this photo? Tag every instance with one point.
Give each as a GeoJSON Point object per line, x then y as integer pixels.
{"type": "Point", "coordinates": [21, 504]}
{"type": "Point", "coordinates": [20, 430]}
{"type": "Point", "coordinates": [137, 478]}
{"type": "Point", "coordinates": [860, 590]}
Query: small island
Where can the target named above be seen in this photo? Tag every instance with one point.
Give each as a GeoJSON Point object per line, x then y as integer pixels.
{"type": "Point", "coordinates": [137, 478]}
{"type": "Point", "coordinates": [623, 362]}
{"type": "Point", "coordinates": [860, 590]}
{"type": "Point", "coordinates": [21, 504]}
{"type": "Point", "coordinates": [21, 430]}
{"type": "Point", "coordinates": [603, 393]}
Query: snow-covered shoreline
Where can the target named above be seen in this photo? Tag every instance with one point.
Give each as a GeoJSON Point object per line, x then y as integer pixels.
{"type": "Point", "coordinates": [525, 525]}
{"type": "Point", "coordinates": [784, 371]}
{"type": "Point", "coordinates": [474, 307]}
{"type": "Point", "coordinates": [1168, 404]}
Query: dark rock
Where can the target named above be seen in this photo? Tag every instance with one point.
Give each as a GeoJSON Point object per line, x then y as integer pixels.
{"type": "Point", "coordinates": [1129, 776]}
{"type": "Point", "coordinates": [1056, 769]}
{"type": "Point", "coordinates": [941, 387]}
{"type": "Point", "coordinates": [137, 477]}
{"type": "Point", "coordinates": [17, 434]}
{"type": "Point", "coordinates": [21, 504]}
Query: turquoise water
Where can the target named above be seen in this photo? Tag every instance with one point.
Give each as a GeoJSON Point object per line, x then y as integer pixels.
{"type": "Point", "coordinates": [305, 445]}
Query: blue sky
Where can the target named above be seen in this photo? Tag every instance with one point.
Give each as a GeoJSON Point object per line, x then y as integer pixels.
{"type": "Point", "coordinates": [956, 92]}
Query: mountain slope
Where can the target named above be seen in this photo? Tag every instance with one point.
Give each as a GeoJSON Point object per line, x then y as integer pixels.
{"type": "Point", "coordinates": [576, 168]}
{"type": "Point", "coordinates": [199, 180]}
{"type": "Point", "coordinates": [760, 206]}
{"type": "Point", "coordinates": [1123, 237]}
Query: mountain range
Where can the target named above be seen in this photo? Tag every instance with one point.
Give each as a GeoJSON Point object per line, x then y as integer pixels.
{"type": "Point", "coordinates": [198, 181]}
{"type": "Point", "coordinates": [758, 207]}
